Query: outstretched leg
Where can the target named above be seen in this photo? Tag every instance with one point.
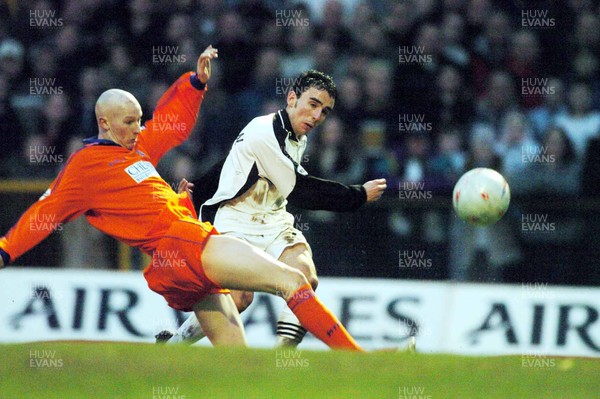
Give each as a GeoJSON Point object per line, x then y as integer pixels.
{"type": "Point", "coordinates": [234, 264]}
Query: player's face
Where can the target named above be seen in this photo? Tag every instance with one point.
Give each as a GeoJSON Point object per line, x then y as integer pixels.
{"type": "Point", "coordinates": [125, 124]}
{"type": "Point", "coordinates": [309, 110]}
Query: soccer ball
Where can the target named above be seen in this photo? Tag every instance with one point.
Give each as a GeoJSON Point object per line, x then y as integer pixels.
{"type": "Point", "coordinates": [481, 196]}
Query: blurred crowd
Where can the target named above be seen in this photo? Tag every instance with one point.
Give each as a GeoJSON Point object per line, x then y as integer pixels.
{"type": "Point", "coordinates": [427, 89]}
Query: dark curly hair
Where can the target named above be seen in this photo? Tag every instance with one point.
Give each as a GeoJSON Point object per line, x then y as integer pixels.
{"type": "Point", "coordinates": [316, 79]}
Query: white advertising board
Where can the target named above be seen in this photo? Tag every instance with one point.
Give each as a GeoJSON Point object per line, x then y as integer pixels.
{"type": "Point", "coordinates": [471, 319]}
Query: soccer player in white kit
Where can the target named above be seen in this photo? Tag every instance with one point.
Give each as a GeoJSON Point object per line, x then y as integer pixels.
{"type": "Point", "coordinates": [246, 194]}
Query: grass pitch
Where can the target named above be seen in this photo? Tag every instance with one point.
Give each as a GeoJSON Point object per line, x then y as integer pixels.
{"type": "Point", "coordinates": [82, 370]}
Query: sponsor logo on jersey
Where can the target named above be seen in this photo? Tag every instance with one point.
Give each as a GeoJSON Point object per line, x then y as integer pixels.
{"type": "Point", "coordinates": [141, 170]}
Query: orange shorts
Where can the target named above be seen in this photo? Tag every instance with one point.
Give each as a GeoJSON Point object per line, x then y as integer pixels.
{"type": "Point", "coordinates": [176, 270]}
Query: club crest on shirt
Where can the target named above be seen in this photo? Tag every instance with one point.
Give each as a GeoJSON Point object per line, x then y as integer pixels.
{"type": "Point", "coordinates": [141, 170]}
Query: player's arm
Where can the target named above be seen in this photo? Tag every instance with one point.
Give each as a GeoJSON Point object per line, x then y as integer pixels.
{"type": "Point", "coordinates": [62, 202]}
{"type": "Point", "coordinates": [313, 193]}
{"type": "Point", "coordinates": [177, 110]}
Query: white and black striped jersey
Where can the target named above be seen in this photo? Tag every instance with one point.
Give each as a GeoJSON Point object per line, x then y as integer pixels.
{"type": "Point", "coordinates": [249, 190]}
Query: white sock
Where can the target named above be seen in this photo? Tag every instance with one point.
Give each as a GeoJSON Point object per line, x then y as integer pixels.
{"type": "Point", "coordinates": [289, 330]}
{"type": "Point", "coordinates": [189, 332]}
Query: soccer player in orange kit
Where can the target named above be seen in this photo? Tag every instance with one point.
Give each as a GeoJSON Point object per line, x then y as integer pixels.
{"type": "Point", "coordinates": [112, 180]}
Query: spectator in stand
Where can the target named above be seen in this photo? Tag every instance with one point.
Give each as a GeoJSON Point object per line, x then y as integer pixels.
{"type": "Point", "coordinates": [44, 68]}
{"type": "Point", "coordinates": [581, 122]}
{"type": "Point", "coordinates": [332, 28]}
{"type": "Point", "coordinates": [91, 84]}
{"type": "Point", "coordinates": [399, 22]}
{"type": "Point", "coordinates": [90, 15]}
{"type": "Point", "coordinates": [449, 162]}
{"type": "Point", "coordinates": [581, 6]}
{"type": "Point", "coordinates": [206, 16]}
{"type": "Point", "coordinates": [265, 78]}
{"type": "Point", "coordinates": [363, 16]}
{"type": "Point", "coordinates": [144, 29]}
{"type": "Point", "coordinates": [11, 130]}
{"type": "Point", "coordinates": [57, 124]}
{"type": "Point", "coordinates": [415, 162]}
{"type": "Point", "coordinates": [350, 105]}
{"type": "Point", "coordinates": [375, 157]}
{"type": "Point", "coordinates": [121, 72]}
{"type": "Point", "coordinates": [586, 68]}
{"type": "Point", "coordinates": [515, 142]}
{"type": "Point", "coordinates": [215, 133]}
{"type": "Point", "coordinates": [72, 52]}
{"type": "Point", "coordinates": [490, 49]}
{"type": "Point", "coordinates": [333, 157]}
{"type": "Point", "coordinates": [453, 103]}
{"type": "Point", "coordinates": [544, 116]}
{"type": "Point", "coordinates": [272, 36]}
{"type": "Point", "coordinates": [235, 46]}
{"type": "Point", "coordinates": [12, 59]}
{"type": "Point", "coordinates": [179, 28]}
{"type": "Point", "coordinates": [587, 32]}
{"type": "Point", "coordinates": [478, 12]}
{"type": "Point", "coordinates": [325, 58]}
{"type": "Point", "coordinates": [524, 64]}
{"type": "Point", "coordinates": [426, 10]}
{"type": "Point", "coordinates": [500, 99]}
{"type": "Point", "coordinates": [378, 100]}
{"type": "Point", "coordinates": [299, 56]}
{"type": "Point", "coordinates": [256, 14]}
{"type": "Point", "coordinates": [373, 42]}
{"type": "Point", "coordinates": [453, 37]}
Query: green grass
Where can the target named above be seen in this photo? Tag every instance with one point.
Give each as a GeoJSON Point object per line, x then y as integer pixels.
{"type": "Point", "coordinates": [122, 370]}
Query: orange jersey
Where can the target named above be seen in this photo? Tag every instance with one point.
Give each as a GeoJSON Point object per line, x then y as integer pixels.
{"type": "Point", "coordinates": [118, 190]}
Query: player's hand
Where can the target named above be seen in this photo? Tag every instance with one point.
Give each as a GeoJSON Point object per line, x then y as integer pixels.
{"type": "Point", "coordinates": [203, 66]}
{"type": "Point", "coordinates": [375, 189]}
{"type": "Point", "coordinates": [185, 187]}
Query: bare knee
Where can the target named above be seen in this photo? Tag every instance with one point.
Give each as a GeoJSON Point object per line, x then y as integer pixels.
{"type": "Point", "coordinates": [309, 272]}
{"type": "Point", "coordinates": [294, 279]}
{"type": "Point", "coordinates": [299, 258]}
{"type": "Point", "coordinates": [242, 299]}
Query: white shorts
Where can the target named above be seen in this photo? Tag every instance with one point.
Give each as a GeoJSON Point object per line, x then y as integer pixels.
{"type": "Point", "coordinates": [273, 244]}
